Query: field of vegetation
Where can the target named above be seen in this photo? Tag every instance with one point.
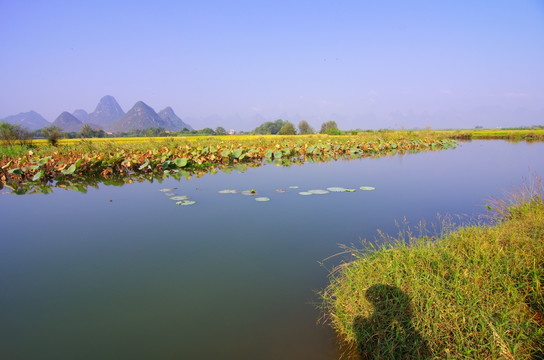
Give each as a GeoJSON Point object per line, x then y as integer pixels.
{"type": "Point", "coordinates": [72, 163]}
{"type": "Point", "coordinates": [521, 134]}
{"type": "Point", "coordinates": [475, 292]}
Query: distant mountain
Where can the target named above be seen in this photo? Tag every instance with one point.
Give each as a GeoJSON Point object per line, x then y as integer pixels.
{"type": "Point", "coordinates": [175, 123]}
{"type": "Point", "coordinates": [106, 112]}
{"type": "Point", "coordinates": [81, 115]}
{"type": "Point", "coordinates": [68, 122]}
{"type": "Point", "coordinates": [141, 116]}
{"type": "Point", "coordinates": [31, 120]}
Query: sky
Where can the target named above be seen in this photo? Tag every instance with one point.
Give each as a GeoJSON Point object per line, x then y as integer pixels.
{"type": "Point", "coordinates": [364, 64]}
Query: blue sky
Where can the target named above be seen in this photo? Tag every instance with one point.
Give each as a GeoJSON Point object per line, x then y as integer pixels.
{"type": "Point", "coordinates": [364, 64]}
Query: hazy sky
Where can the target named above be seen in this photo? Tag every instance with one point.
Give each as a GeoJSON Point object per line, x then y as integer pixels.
{"type": "Point", "coordinates": [365, 64]}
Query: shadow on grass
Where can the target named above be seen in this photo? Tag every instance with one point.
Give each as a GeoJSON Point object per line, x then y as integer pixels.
{"type": "Point", "coordinates": [389, 333]}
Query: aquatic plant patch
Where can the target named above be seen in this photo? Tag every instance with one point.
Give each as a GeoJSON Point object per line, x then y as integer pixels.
{"type": "Point", "coordinates": [180, 157]}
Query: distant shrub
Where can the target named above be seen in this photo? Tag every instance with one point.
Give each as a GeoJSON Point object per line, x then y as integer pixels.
{"type": "Point", "coordinates": [52, 133]}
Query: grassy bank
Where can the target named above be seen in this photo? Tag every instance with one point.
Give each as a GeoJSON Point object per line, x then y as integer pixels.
{"type": "Point", "coordinates": [474, 293]}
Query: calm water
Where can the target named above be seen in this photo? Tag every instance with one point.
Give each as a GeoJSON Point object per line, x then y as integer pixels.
{"type": "Point", "coordinates": [138, 277]}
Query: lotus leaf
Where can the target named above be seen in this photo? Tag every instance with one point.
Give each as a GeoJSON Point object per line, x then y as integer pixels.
{"type": "Point", "coordinates": [16, 171]}
{"type": "Point", "coordinates": [367, 188]}
{"type": "Point", "coordinates": [228, 191]}
{"type": "Point", "coordinates": [318, 192]}
{"type": "Point", "coordinates": [180, 162]}
{"type": "Point", "coordinates": [248, 192]}
{"type": "Point", "coordinates": [293, 187]}
{"type": "Point", "coordinates": [179, 197]}
{"type": "Point", "coordinates": [305, 193]}
{"type": "Point", "coordinates": [38, 175]}
{"type": "Point", "coordinates": [166, 190]}
{"type": "Point", "coordinates": [185, 202]}
{"type": "Point", "coordinates": [70, 170]}
{"type": "Point", "coordinates": [145, 164]}
{"type": "Point", "coordinates": [336, 189]}
{"type": "Point", "coordinates": [236, 153]}
{"type": "Point", "coordinates": [281, 191]}
{"type": "Point", "coordinates": [261, 199]}
{"type": "Point", "coordinates": [350, 190]}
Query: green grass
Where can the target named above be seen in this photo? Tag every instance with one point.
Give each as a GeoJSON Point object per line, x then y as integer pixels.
{"type": "Point", "coordinates": [474, 293]}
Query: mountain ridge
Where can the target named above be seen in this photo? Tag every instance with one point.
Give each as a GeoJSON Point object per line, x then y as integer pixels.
{"type": "Point", "coordinates": [68, 122]}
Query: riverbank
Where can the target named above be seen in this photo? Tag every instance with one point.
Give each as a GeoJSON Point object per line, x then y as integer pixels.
{"type": "Point", "coordinates": [474, 293]}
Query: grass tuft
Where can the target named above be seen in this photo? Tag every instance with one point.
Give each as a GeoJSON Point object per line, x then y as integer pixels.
{"type": "Point", "coordinates": [476, 292]}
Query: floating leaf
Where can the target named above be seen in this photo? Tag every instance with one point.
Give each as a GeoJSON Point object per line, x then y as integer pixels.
{"type": "Point", "coordinates": [186, 202]}
{"type": "Point", "coordinates": [293, 187]}
{"type": "Point", "coordinates": [262, 198]}
{"type": "Point", "coordinates": [367, 188]}
{"type": "Point", "coordinates": [350, 190]}
{"type": "Point", "coordinates": [179, 197]}
{"type": "Point", "coordinates": [228, 191]}
{"type": "Point", "coordinates": [166, 190]}
{"type": "Point", "coordinates": [336, 189]}
{"type": "Point", "coordinates": [305, 193]}
{"type": "Point", "coordinates": [169, 194]}
{"type": "Point", "coordinates": [318, 192]}
{"type": "Point", "coordinates": [281, 191]}
{"type": "Point", "coordinates": [249, 192]}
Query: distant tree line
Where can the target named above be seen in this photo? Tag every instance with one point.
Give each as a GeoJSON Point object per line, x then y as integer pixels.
{"type": "Point", "coordinates": [281, 127]}
{"type": "Point", "coordinates": [13, 134]}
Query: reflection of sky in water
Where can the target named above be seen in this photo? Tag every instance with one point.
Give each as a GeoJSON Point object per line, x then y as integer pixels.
{"type": "Point", "coordinates": [140, 277]}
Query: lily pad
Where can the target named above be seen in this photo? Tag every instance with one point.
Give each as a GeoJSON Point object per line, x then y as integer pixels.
{"type": "Point", "coordinates": [249, 192]}
{"type": "Point", "coordinates": [185, 202]}
{"type": "Point", "coordinates": [336, 189]}
{"type": "Point", "coordinates": [179, 197]}
{"type": "Point", "coordinates": [169, 194]}
{"type": "Point", "coordinates": [293, 187]}
{"type": "Point", "coordinates": [305, 193]}
{"type": "Point", "coordinates": [228, 191]}
{"type": "Point", "coordinates": [318, 192]}
{"type": "Point", "coordinates": [350, 190]}
{"type": "Point", "coordinates": [281, 191]}
{"type": "Point", "coordinates": [262, 198]}
{"type": "Point", "coordinates": [367, 188]}
{"type": "Point", "coordinates": [166, 190]}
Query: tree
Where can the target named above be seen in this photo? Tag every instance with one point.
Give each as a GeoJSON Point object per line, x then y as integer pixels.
{"type": "Point", "coordinates": [87, 131]}
{"type": "Point", "coordinates": [12, 133]}
{"type": "Point", "coordinates": [269, 127]}
{"type": "Point", "coordinates": [52, 133]}
{"type": "Point", "coordinates": [220, 131]}
{"type": "Point", "coordinates": [330, 128]}
{"type": "Point", "coordinates": [304, 128]}
{"type": "Point", "coordinates": [287, 129]}
{"type": "Point", "coordinates": [206, 131]}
